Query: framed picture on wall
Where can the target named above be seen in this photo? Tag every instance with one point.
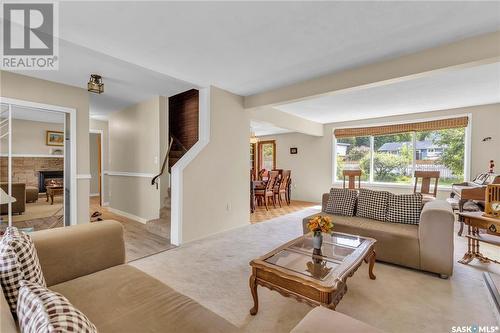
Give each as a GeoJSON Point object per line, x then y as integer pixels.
{"type": "Point", "coordinates": [54, 138]}
{"type": "Point", "coordinates": [293, 150]}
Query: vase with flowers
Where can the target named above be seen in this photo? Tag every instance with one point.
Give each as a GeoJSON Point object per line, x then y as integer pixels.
{"type": "Point", "coordinates": [318, 225]}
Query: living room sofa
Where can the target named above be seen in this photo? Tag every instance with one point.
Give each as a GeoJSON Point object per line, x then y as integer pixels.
{"type": "Point", "coordinates": [86, 264]}
{"type": "Point", "coordinates": [427, 246]}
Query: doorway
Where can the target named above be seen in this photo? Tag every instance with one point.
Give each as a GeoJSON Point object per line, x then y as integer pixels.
{"type": "Point", "coordinates": [96, 166]}
{"type": "Point", "coordinates": [38, 163]}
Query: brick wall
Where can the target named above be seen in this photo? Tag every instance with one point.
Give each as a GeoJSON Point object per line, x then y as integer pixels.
{"type": "Point", "coordinates": [25, 169]}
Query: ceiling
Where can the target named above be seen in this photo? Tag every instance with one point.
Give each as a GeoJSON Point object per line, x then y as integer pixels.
{"type": "Point", "coordinates": [125, 84]}
{"type": "Point", "coordinates": [250, 47]}
{"type": "Point", "coordinates": [447, 90]}
{"type": "Point", "coordinates": [143, 49]}
{"type": "Point", "coordinates": [261, 128]}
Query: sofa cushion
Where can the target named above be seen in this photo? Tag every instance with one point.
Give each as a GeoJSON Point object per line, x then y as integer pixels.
{"type": "Point", "coordinates": [372, 204]}
{"type": "Point", "coordinates": [396, 243]}
{"type": "Point", "coordinates": [125, 299]}
{"type": "Point", "coordinates": [18, 261]}
{"type": "Point", "coordinates": [341, 201]}
{"type": "Point", "coordinates": [404, 208]}
{"type": "Point", "coordinates": [42, 310]}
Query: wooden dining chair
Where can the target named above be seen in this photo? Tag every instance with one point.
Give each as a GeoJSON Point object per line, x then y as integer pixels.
{"type": "Point", "coordinates": [425, 187]}
{"type": "Point", "coordinates": [289, 187]}
{"type": "Point", "coordinates": [281, 188]}
{"type": "Point", "coordinates": [268, 192]}
{"type": "Point", "coordinates": [352, 174]}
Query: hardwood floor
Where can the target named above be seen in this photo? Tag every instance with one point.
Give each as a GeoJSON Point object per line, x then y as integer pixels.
{"type": "Point", "coordinates": [140, 241]}
{"type": "Point", "coordinates": [261, 214]}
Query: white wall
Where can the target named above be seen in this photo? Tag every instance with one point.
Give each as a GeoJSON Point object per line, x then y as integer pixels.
{"type": "Point", "coordinates": [28, 137]}
{"type": "Point", "coordinates": [134, 149]}
{"type": "Point", "coordinates": [312, 166]}
{"type": "Point", "coordinates": [216, 193]}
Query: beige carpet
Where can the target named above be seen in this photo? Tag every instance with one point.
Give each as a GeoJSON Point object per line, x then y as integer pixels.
{"type": "Point", "coordinates": [39, 209]}
{"type": "Point", "coordinates": [215, 271]}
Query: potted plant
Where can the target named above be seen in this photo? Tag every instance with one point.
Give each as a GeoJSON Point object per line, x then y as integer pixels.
{"type": "Point", "coordinates": [318, 225]}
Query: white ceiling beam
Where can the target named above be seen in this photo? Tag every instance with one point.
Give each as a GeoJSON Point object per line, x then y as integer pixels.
{"type": "Point", "coordinates": [287, 121]}
{"type": "Point", "coordinates": [470, 52]}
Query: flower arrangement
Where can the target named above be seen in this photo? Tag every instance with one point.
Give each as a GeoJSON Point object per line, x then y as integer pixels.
{"type": "Point", "coordinates": [320, 223]}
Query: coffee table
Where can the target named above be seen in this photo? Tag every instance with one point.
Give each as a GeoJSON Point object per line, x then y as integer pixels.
{"type": "Point", "coordinates": [53, 190]}
{"type": "Point", "coordinates": [316, 277]}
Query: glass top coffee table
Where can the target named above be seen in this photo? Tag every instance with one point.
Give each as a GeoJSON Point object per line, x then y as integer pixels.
{"type": "Point", "coordinates": [316, 277]}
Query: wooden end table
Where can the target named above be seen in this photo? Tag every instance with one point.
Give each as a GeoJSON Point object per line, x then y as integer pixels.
{"type": "Point", "coordinates": [316, 277]}
{"type": "Point", "coordinates": [475, 222]}
{"type": "Point", "coordinates": [52, 190]}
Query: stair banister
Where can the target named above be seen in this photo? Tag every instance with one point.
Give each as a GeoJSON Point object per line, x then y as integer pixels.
{"type": "Point", "coordinates": [154, 181]}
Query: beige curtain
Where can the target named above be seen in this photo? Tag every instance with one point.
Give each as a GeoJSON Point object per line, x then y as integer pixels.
{"type": "Point", "coordinates": [401, 128]}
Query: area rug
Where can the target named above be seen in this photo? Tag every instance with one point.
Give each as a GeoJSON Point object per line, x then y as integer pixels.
{"type": "Point", "coordinates": [214, 271]}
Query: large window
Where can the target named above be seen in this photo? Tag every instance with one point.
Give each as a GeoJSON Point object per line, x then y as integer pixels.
{"type": "Point", "coordinates": [393, 157]}
{"type": "Point", "coordinates": [267, 155]}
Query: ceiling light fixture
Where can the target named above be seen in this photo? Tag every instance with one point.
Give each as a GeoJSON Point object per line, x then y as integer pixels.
{"type": "Point", "coordinates": [95, 84]}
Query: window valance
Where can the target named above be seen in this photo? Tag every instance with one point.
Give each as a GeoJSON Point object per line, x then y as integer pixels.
{"type": "Point", "coordinates": [432, 125]}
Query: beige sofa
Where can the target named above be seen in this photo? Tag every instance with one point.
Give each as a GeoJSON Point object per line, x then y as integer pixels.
{"type": "Point", "coordinates": [427, 246]}
{"type": "Point", "coordinates": [86, 263]}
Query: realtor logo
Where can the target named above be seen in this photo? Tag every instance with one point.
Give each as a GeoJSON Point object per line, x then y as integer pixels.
{"type": "Point", "coordinates": [29, 36]}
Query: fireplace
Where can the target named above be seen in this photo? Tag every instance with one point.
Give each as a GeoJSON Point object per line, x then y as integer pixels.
{"type": "Point", "coordinates": [45, 177]}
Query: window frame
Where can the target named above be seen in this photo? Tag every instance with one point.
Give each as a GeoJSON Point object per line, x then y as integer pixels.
{"type": "Point", "coordinates": [259, 153]}
{"type": "Point", "coordinates": [371, 182]}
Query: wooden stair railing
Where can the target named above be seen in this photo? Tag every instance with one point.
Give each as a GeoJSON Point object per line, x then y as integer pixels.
{"type": "Point", "coordinates": [154, 181]}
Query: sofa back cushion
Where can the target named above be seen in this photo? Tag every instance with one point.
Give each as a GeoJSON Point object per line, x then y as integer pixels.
{"type": "Point", "coordinates": [341, 201]}
{"type": "Point", "coordinates": [404, 208]}
{"type": "Point", "coordinates": [18, 261]}
{"type": "Point", "coordinates": [372, 204]}
{"type": "Point", "coordinates": [42, 310]}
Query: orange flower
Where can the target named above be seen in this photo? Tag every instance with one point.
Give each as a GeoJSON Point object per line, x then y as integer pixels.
{"type": "Point", "coordinates": [320, 223]}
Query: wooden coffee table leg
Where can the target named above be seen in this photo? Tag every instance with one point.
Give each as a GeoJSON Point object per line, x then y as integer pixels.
{"type": "Point", "coordinates": [253, 289]}
{"type": "Point", "coordinates": [370, 259]}
{"type": "Point", "coordinates": [47, 194]}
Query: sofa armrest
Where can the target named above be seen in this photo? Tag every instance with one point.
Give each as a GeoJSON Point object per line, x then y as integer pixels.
{"type": "Point", "coordinates": [71, 252]}
{"type": "Point", "coordinates": [324, 201]}
{"type": "Point", "coordinates": [435, 234]}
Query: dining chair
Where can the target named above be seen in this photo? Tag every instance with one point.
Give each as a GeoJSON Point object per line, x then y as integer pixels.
{"type": "Point", "coordinates": [281, 188]}
{"type": "Point", "coordinates": [425, 187]}
{"type": "Point", "coordinates": [288, 187]}
{"type": "Point", "coordinates": [268, 192]}
{"type": "Point", "coordinates": [352, 174]}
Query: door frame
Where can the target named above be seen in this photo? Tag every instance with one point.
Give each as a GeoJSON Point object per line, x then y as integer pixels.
{"type": "Point", "coordinates": [72, 132]}
{"type": "Point", "coordinates": [101, 162]}
{"type": "Point", "coordinates": [259, 153]}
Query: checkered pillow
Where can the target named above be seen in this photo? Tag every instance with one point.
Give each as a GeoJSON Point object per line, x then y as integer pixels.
{"type": "Point", "coordinates": [372, 204]}
{"type": "Point", "coordinates": [18, 261]}
{"type": "Point", "coordinates": [42, 310]}
{"type": "Point", "coordinates": [404, 208]}
{"type": "Point", "coordinates": [341, 201]}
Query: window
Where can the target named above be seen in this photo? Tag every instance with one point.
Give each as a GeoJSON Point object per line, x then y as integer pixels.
{"type": "Point", "coordinates": [393, 157]}
{"type": "Point", "coordinates": [267, 155]}
{"type": "Point", "coordinates": [353, 154]}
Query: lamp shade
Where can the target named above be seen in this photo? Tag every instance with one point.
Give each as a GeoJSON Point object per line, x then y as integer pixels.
{"type": "Point", "coordinates": [5, 198]}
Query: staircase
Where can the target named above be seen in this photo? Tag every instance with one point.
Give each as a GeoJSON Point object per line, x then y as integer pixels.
{"type": "Point", "coordinates": [176, 152]}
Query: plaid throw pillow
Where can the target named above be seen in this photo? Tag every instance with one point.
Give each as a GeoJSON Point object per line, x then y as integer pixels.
{"type": "Point", "coordinates": [341, 201]}
{"type": "Point", "coordinates": [18, 261]}
{"type": "Point", "coordinates": [42, 310]}
{"type": "Point", "coordinates": [372, 204]}
{"type": "Point", "coordinates": [404, 208]}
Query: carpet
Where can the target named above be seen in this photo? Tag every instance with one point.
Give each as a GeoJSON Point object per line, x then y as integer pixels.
{"type": "Point", "coordinates": [214, 271]}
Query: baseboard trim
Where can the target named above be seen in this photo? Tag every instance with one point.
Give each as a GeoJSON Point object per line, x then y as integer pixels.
{"type": "Point", "coordinates": [105, 204]}
{"type": "Point", "coordinates": [127, 215]}
{"type": "Point", "coordinates": [93, 194]}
